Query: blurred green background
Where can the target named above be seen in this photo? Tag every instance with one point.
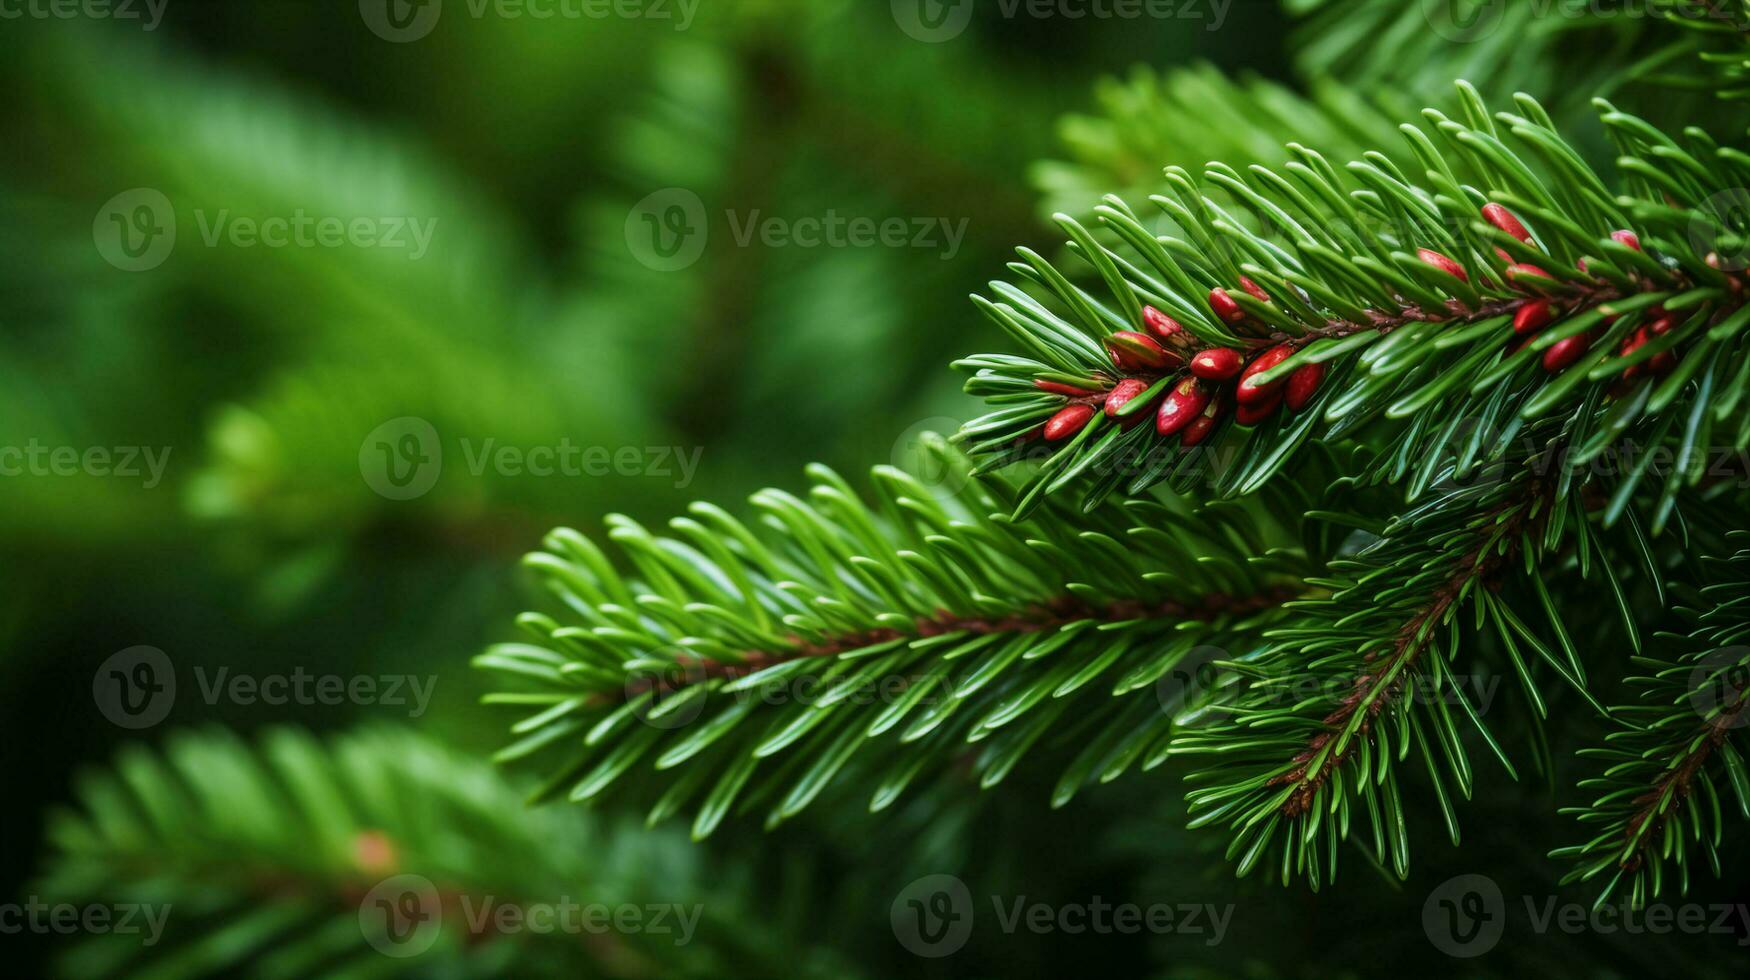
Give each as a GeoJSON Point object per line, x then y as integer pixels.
{"type": "Point", "coordinates": [554, 162]}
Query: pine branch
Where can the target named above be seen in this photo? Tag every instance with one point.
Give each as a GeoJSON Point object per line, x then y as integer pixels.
{"type": "Point", "coordinates": [262, 857]}
{"type": "Point", "coordinates": [1357, 681]}
{"type": "Point", "coordinates": [892, 632]}
{"type": "Point", "coordinates": [1394, 312]}
{"type": "Point", "coordinates": [1659, 810]}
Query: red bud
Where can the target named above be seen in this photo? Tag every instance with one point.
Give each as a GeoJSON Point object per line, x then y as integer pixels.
{"type": "Point", "coordinates": [1505, 220]}
{"type": "Point", "coordinates": [1660, 327]}
{"type": "Point", "coordinates": [1519, 269]}
{"type": "Point", "coordinates": [1442, 263]}
{"type": "Point", "coordinates": [1216, 363]}
{"type": "Point", "coordinates": [1132, 350]}
{"type": "Point", "coordinates": [1160, 324]}
{"type": "Point", "coordinates": [1123, 392]}
{"type": "Point", "coordinates": [1662, 362]}
{"type": "Point", "coordinates": [1533, 315]}
{"type": "Point", "coordinates": [1630, 344]}
{"type": "Point", "coordinates": [1562, 354]}
{"type": "Point", "coordinates": [1067, 422]}
{"type": "Point", "coordinates": [1057, 388]}
{"type": "Point", "coordinates": [1303, 384]}
{"type": "Point", "coordinates": [1258, 411]}
{"type": "Point", "coordinates": [1224, 306]}
{"type": "Point", "coordinates": [1250, 394]}
{"type": "Point", "coordinates": [1628, 238]}
{"type": "Point", "coordinates": [1202, 425]}
{"type": "Point", "coordinates": [1256, 290]}
{"type": "Point", "coordinates": [1184, 403]}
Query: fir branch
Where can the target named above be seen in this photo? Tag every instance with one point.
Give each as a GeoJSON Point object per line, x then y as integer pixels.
{"type": "Point", "coordinates": [1354, 312]}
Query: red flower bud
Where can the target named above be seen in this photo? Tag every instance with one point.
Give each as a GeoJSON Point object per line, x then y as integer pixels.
{"type": "Point", "coordinates": [1302, 385]}
{"type": "Point", "coordinates": [1443, 263]}
{"type": "Point", "coordinates": [1258, 411]}
{"type": "Point", "coordinates": [1184, 403]}
{"type": "Point", "coordinates": [1256, 290]}
{"type": "Point", "coordinates": [1224, 306]}
{"type": "Point", "coordinates": [1067, 422]}
{"type": "Point", "coordinates": [1057, 388]}
{"type": "Point", "coordinates": [1628, 238]}
{"type": "Point", "coordinates": [1250, 394]}
{"type": "Point", "coordinates": [1533, 315]}
{"type": "Point", "coordinates": [1216, 363]}
{"type": "Point", "coordinates": [1160, 324]}
{"type": "Point", "coordinates": [1134, 351]}
{"type": "Point", "coordinates": [1123, 392]}
{"type": "Point", "coordinates": [1660, 327]}
{"type": "Point", "coordinates": [1521, 269]}
{"type": "Point", "coordinates": [1202, 425]}
{"type": "Point", "coordinates": [1505, 220]}
{"type": "Point", "coordinates": [1562, 354]}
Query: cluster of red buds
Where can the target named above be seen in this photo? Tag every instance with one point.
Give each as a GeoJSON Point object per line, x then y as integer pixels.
{"type": "Point", "coordinates": [1201, 381]}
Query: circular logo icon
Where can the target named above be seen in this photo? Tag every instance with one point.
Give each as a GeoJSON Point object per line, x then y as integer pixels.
{"type": "Point", "coordinates": [135, 230]}
{"type": "Point", "coordinates": [1471, 456]}
{"type": "Point", "coordinates": [401, 916]}
{"type": "Point", "coordinates": [1464, 21]}
{"type": "Point", "coordinates": [932, 21]}
{"type": "Point", "coordinates": [667, 230]}
{"type": "Point", "coordinates": [136, 687]}
{"type": "Point", "coordinates": [400, 21]}
{"type": "Point", "coordinates": [922, 451]}
{"type": "Point", "coordinates": [1720, 229]}
{"type": "Point", "coordinates": [1181, 687]}
{"type": "Point", "coordinates": [668, 699]}
{"type": "Point", "coordinates": [932, 916]}
{"type": "Point", "coordinates": [1717, 686]}
{"type": "Point", "coordinates": [1465, 916]}
{"type": "Point", "coordinates": [402, 458]}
